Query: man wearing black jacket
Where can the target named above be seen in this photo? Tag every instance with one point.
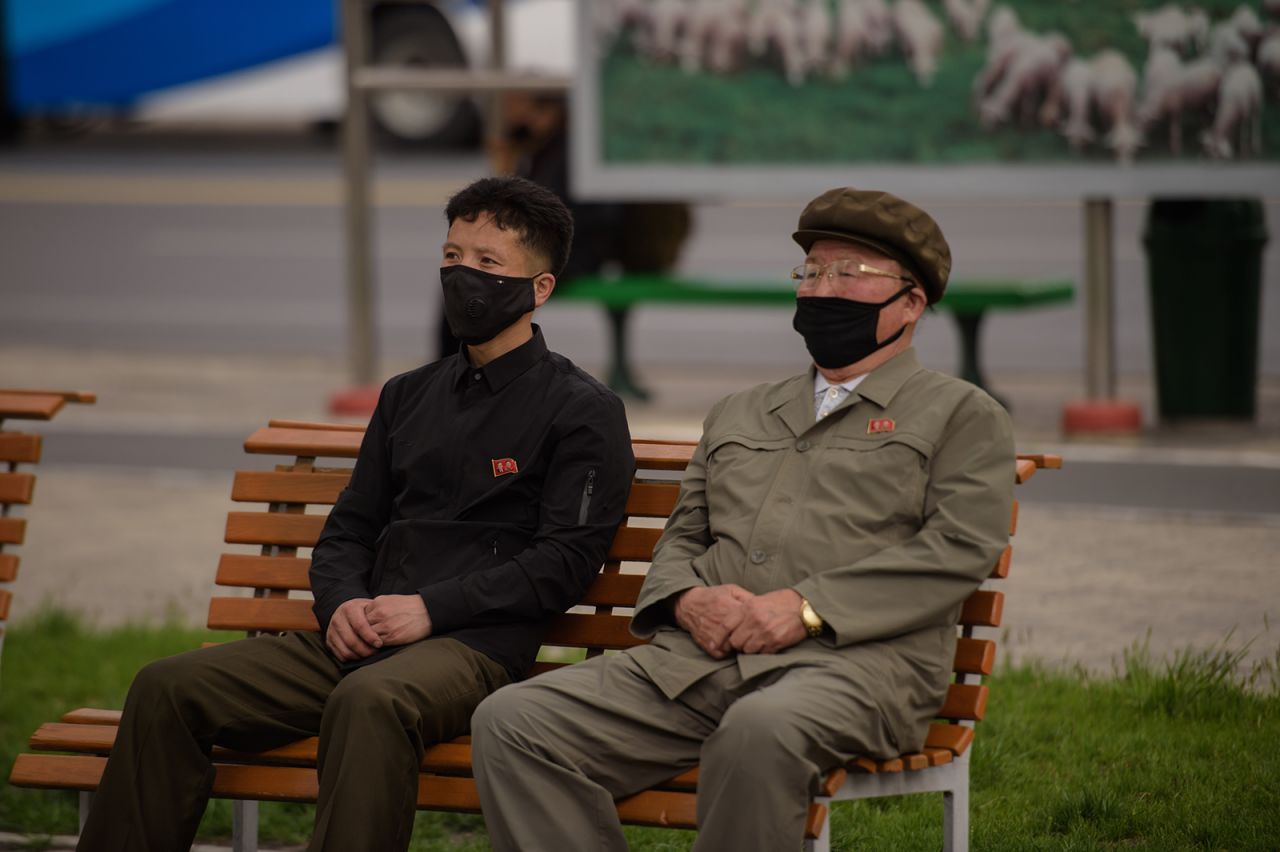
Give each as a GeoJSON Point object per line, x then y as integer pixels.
{"type": "Point", "coordinates": [484, 498]}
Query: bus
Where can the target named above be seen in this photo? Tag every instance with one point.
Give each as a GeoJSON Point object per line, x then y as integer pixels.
{"type": "Point", "coordinates": [256, 60]}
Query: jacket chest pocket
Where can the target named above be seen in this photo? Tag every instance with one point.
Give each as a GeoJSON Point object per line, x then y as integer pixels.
{"type": "Point", "coordinates": [887, 476]}
{"type": "Point", "coordinates": [741, 468]}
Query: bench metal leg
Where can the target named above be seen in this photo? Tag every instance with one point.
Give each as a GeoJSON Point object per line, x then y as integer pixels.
{"type": "Point", "coordinates": [244, 826]}
{"type": "Point", "coordinates": [620, 378]}
{"type": "Point", "coordinates": [955, 819]}
{"type": "Point", "coordinates": [970, 328]}
{"type": "Point", "coordinates": [86, 802]}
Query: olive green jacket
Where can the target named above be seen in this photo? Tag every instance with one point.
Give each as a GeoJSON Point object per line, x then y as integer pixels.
{"type": "Point", "coordinates": [885, 515]}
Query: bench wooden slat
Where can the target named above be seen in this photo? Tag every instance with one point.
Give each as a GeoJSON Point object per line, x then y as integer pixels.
{"type": "Point", "coordinates": [938, 756]}
{"type": "Point", "coordinates": [255, 486]}
{"type": "Point", "coordinates": [17, 487]}
{"type": "Point", "coordinates": [975, 656]}
{"type": "Point", "coordinates": [6, 598]}
{"type": "Point", "coordinates": [1001, 570]}
{"type": "Point", "coordinates": [965, 701]}
{"type": "Point", "coordinates": [574, 629]}
{"type": "Point", "coordinates": [278, 528]}
{"type": "Point", "coordinates": [13, 530]}
{"type": "Point", "coordinates": [57, 771]}
{"type": "Point", "coordinates": [665, 456]}
{"type": "Point", "coordinates": [307, 424]}
{"type": "Point", "coordinates": [263, 572]}
{"type": "Point", "coordinates": [20, 447]}
{"type": "Point", "coordinates": [634, 544]}
{"type": "Point", "coordinates": [8, 567]}
{"type": "Point", "coordinates": [309, 442]}
{"type": "Point", "coordinates": [83, 397]}
{"type": "Point", "coordinates": [1013, 520]}
{"type": "Point", "coordinates": [1044, 461]}
{"type": "Point", "coordinates": [984, 608]}
{"type": "Point", "coordinates": [271, 614]}
{"type": "Point", "coordinates": [652, 499]}
{"type": "Point", "coordinates": [21, 405]}
{"type": "Point", "coordinates": [92, 716]}
{"type": "Point", "coordinates": [952, 737]}
{"type": "Point", "coordinates": [1023, 469]}
{"type": "Point", "coordinates": [614, 590]}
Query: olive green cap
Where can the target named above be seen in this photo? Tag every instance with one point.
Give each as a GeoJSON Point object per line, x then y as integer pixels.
{"type": "Point", "coordinates": [886, 223]}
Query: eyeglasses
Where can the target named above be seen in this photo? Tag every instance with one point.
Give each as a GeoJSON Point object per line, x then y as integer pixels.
{"type": "Point", "coordinates": [843, 274]}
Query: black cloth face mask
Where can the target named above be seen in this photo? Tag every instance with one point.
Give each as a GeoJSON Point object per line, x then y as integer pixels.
{"type": "Point", "coordinates": [839, 332]}
{"type": "Point", "coordinates": [479, 305]}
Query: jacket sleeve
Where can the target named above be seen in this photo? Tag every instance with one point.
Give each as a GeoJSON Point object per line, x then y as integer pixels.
{"type": "Point", "coordinates": [923, 580]}
{"type": "Point", "coordinates": [342, 561]}
{"type": "Point", "coordinates": [584, 499]}
{"type": "Point", "coordinates": [687, 535]}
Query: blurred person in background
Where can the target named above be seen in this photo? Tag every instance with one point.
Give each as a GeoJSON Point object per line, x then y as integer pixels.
{"type": "Point", "coordinates": [485, 495]}
{"type": "Point", "coordinates": [610, 236]}
{"type": "Point", "coordinates": [802, 601]}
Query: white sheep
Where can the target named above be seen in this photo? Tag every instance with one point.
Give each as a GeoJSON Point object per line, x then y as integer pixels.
{"type": "Point", "coordinates": [920, 36]}
{"type": "Point", "coordinates": [1030, 83]}
{"type": "Point", "coordinates": [714, 35]}
{"type": "Point", "coordinates": [1246, 22]}
{"type": "Point", "coordinates": [1239, 113]}
{"type": "Point", "coordinates": [1227, 45]}
{"type": "Point", "coordinates": [1172, 88]}
{"type": "Point", "coordinates": [1114, 87]}
{"type": "Point", "coordinates": [816, 34]}
{"type": "Point", "coordinates": [1076, 91]}
{"type": "Point", "coordinates": [1170, 26]}
{"type": "Point", "coordinates": [1003, 23]}
{"type": "Point", "coordinates": [863, 28]}
{"type": "Point", "coordinates": [775, 22]}
{"type": "Point", "coordinates": [966, 16]}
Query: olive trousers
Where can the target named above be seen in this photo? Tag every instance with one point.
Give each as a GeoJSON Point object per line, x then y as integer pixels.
{"type": "Point", "coordinates": [255, 694]}
{"type": "Point", "coordinates": [552, 753]}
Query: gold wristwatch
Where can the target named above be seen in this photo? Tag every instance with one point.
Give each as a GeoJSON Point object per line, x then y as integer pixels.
{"type": "Point", "coordinates": [813, 622]}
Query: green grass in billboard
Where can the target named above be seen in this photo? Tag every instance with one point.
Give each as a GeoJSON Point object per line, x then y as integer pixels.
{"type": "Point", "coordinates": [655, 112]}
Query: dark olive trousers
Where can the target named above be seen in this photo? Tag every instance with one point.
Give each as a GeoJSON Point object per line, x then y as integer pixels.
{"type": "Point", "coordinates": [256, 694]}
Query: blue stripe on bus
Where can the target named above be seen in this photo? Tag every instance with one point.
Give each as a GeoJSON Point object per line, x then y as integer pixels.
{"type": "Point", "coordinates": [168, 45]}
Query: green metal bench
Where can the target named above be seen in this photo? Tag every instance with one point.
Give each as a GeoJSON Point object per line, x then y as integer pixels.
{"type": "Point", "coordinates": [967, 301]}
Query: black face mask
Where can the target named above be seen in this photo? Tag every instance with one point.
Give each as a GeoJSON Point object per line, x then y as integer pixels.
{"type": "Point", "coordinates": [479, 304]}
{"type": "Point", "coordinates": [839, 332]}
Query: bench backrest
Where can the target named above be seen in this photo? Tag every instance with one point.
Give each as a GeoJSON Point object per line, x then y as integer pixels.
{"type": "Point", "coordinates": [17, 487]}
{"type": "Point", "coordinates": [298, 493]}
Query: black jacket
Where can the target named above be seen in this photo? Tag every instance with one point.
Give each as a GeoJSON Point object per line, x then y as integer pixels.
{"type": "Point", "coordinates": [493, 492]}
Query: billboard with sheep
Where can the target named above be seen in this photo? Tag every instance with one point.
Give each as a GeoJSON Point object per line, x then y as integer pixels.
{"type": "Point", "coordinates": [1011, 97]}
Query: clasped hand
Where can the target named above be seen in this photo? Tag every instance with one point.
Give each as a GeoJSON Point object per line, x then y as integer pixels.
{"type": "Point", "coordinates": [723, 619]}
{"type": "Point", "coordinates": [362, 626]}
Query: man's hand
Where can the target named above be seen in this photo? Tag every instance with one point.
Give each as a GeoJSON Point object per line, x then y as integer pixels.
{"type": "Point", "coordinates": [770, 623]}
{"type": "Point", "coordinates": [350, 637]}
{"type": "Point", "coordinates": [399, 619]}
{"type": "Point", "coordinates": [710, 614]}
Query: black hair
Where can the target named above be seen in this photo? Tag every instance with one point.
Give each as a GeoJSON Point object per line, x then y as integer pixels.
{"type": "Point", "coordinates": [543, 222]}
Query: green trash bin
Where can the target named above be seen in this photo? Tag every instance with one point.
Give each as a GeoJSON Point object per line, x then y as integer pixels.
{"type": "Point", "coordinates": [1204, 262]}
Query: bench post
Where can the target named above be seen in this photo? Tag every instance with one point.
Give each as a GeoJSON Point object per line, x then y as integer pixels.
{"type": "Point", "coordinates": [86, 803]}
{"type": "Point", "coordinates": [244, 826]}
{"type": "Point", "coordinates": [955, 811]}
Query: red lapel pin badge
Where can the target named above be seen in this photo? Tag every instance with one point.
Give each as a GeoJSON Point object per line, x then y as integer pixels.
{"type": "Point", "coordinates": [502, 467]}
{"type": "Point", "coordinates": [875, 427]}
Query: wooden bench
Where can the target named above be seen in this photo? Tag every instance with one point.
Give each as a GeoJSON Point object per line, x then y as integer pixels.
{"type": "Point", "coordinates": [276, 572]}
{"type": "Point", "coordinates": [967, 301]}
{"type": "Point", "coordinates": [18, 487]}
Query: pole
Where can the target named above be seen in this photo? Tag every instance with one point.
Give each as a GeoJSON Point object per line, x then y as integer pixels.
{"type": "Point", "coordinates": [1100, 344]}
{"type": "Point", "coordinates": [495, 141]}
{"type": "Point", "coordinates": [361, 334]}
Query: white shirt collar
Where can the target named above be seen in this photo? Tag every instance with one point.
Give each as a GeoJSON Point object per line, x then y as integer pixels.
{"type": "Point", "coordinates": [820, 383]}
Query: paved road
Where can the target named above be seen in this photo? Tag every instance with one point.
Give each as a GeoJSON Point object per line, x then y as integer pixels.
{"type": "Point", "coordinates": [201, 250]}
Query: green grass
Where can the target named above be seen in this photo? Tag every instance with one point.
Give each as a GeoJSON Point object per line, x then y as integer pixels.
{"type": "Point", "coordinates": [656, 113]}
{"type": "Point", "coordinates": [1162, 756]}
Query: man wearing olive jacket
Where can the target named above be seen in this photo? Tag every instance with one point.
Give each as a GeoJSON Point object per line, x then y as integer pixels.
{"type": "Point", "coordinates": [802, 600]}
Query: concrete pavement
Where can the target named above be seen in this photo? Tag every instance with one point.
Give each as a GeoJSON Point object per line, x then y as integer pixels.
{"type": "Point", "coordinates": [132, 495]}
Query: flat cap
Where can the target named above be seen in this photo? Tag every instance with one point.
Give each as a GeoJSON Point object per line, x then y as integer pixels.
{"type": "Point", "coordinates": [887, 224]}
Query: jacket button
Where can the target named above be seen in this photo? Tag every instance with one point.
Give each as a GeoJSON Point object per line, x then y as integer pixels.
{"type": "Point", "coordinates": [803, 445]}
{"type": "Point", "coordinates": [758, 556]}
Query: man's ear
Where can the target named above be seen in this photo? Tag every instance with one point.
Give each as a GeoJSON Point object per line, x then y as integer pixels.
{"type": "Point", "coordinates": [543, 285]}
{"type": "Point", "coordinates": [917, 303]}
